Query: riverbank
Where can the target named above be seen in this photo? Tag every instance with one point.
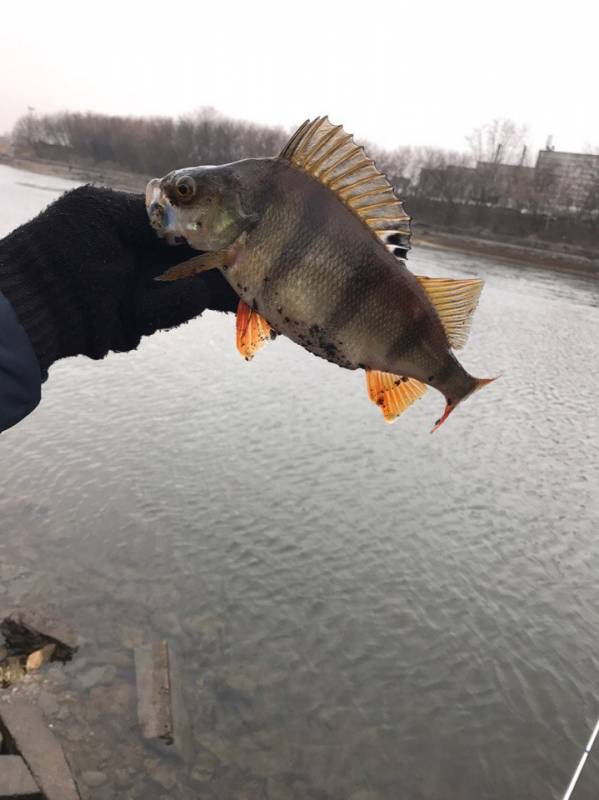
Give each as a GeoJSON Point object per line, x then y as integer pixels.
{"type": "Point", "coordinates": [552, 258]}
{"type": "Point", "coordinates": [107, 176]}
{"type": "Point", "coordinates": [513, 253]}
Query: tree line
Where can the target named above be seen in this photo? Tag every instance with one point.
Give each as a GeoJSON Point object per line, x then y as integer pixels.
{"type": "Point", "coordinates": [148, 145]}
{"type": "Point", "coordinates": [494, 170]}
{"type": "Point", "coordinates": [154, 145]}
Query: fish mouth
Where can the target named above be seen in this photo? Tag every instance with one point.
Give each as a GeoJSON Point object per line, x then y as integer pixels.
{"type": "Point", "coordinates": [172, 223]}
{"type": "Point", "coordinates": [161, 214]}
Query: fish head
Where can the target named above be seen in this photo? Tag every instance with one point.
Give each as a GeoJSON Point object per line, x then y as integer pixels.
{"type": "Point", "coordinates": [199, 205]}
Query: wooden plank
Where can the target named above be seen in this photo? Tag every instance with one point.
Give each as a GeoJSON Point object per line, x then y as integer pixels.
{"type": "Point", "coordinates": [161, 708]}
{"type": "Point", "coordinates": [153, 691]}
{"type": "Point", "coordinates": [181, 723]}
{"type": "Point", "coordinates": [15, 779]}
{"type": "Point", "coordinates": [27, 732]}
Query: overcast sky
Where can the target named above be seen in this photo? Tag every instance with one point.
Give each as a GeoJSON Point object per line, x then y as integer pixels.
{"type": "Point", "coordinates": [419, 72]}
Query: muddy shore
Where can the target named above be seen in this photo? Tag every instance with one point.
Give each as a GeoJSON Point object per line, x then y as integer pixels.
{"type": "Point", "coordinates": [551, 258]}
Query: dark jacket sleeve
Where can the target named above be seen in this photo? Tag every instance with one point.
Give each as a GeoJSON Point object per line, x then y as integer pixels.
{"type": "Point", "coordinates": [20, 377]}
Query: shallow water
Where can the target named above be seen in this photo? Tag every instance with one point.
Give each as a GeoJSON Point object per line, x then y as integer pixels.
{"type": "Point", "coordinates": [362, 611]}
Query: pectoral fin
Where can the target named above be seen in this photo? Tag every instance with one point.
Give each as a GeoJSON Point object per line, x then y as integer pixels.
{"type": "Point", "coordinates": [196, 265]}
{"type": "Point", "coordinates": [253, 331]}
{"type": "Point", "coordinates": [392, 393]}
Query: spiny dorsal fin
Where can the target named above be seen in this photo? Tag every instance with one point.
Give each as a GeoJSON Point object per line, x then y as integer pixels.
{"type": "Point", "coordinates": [454, 302]}
{"type": "Point", "coordinates": [331, 156]}
{"type": "Point", "coordinates": [392, 393]}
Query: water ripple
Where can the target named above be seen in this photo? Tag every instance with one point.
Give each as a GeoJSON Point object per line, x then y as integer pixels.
{"type": "Point", "coordinates": [416, 615]}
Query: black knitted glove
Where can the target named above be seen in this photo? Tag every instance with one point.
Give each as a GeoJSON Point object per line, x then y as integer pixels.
{"type": "Point", "coordinates": [80, 277]}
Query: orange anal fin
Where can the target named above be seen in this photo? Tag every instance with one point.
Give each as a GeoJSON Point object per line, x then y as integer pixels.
{"type": "Point", "coordinates": [392, 393]}
{"type": "Point", "coordinates": [253, 331]}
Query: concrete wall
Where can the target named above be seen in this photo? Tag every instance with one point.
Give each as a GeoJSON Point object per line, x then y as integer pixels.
{"type": "Point", "coordinates": [503, 222]}
{"type": "Point", "coordinates": [564, 183]}
{"type": "Point", "coordinates": [569, 181]}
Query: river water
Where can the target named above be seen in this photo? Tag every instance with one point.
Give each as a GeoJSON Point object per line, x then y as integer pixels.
{"type": "Point", "coordinates": [360, 610]}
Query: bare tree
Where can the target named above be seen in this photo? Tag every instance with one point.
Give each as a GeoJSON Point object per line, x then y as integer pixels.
{"type": "Point", "coordinates": [500, 141]}
{"type": "Point", "coordinates": [486, 175]}
{"type": "Point", "coordinates": [150, 145]}
{"type": "Point", "coordinates": [396, 164]}
{"type": "Point", "coordinates": [445, 175]}
{"type": "Point", "coordinates": [26, 131]}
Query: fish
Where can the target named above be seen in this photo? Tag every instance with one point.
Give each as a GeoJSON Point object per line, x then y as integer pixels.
{"type": "Point", "coordinates": [314, 242]}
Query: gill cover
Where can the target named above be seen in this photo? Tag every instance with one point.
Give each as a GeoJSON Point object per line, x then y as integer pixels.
{"type": "Point", "coordinates": [209, 215]}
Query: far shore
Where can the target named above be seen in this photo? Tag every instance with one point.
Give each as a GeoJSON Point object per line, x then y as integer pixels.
{"type": "Point", "coordinates": [115, 179]}
{"type": "Point", "coordinates": [541, 256]}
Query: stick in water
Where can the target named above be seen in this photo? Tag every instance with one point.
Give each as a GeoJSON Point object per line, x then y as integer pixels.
{"type": "Point", "coordinates": [584, 757]}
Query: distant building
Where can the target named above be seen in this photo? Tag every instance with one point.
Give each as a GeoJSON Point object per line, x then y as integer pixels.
{"type": "Point", "coordinates": [558, 183]}
{"type": "Point", "coordinates": [488, 183]}
{"type": "Point", "coordinates": [504, 185]}
{"type": "Point", "coordinates": [402, 186]}
{"type": "Point", "coordinates": [568, 181]}
{"type": "Point", "coordinates": [450, 183]}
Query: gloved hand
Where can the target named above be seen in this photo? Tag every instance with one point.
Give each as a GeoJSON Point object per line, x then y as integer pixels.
{"type": "Point", "coordinates": [80, 277]}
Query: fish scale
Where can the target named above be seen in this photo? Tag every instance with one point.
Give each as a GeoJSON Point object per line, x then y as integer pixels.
{"type": "Point", "coordinates": [310, 241]}
{"type": "Point", "coordinates": [342, 294]}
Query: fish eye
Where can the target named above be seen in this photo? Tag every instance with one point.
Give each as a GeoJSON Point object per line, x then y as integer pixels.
{"type": "Point", "coordinates": [185, 188]}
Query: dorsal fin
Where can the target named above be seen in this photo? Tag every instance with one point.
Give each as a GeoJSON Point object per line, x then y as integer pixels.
{"type": "Point", "coordinates": [455, 302]}
{"type": "Point", "coordinates": [331, 156]}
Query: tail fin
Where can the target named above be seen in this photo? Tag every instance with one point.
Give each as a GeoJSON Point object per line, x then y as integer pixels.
{"type": "Point", "coordinates": [452, 404]}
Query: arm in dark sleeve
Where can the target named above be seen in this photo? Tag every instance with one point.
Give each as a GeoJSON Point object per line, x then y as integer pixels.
{"type": "Point", "coordinates": [20, 377]}
{"type": "Point", "coordinates": [78, 280]}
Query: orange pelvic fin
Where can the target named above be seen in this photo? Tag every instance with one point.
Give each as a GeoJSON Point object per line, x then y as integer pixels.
{"type": "Point", "coordinates": [449, 407]}
{"type": "Point", "coordinates": [392, 393]}
{"type": "Point", "coordinates": [253, 331]}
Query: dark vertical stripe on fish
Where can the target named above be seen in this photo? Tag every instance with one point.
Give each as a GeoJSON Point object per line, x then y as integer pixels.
{"type": "Point", "coordinates": [443, 374]}
{"type": "Point", "coordinates": [354, 293]}
{"type": "Point", "coordinates": [309, 228]}
{"type": "Point", "coordinates": [414, 331]}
